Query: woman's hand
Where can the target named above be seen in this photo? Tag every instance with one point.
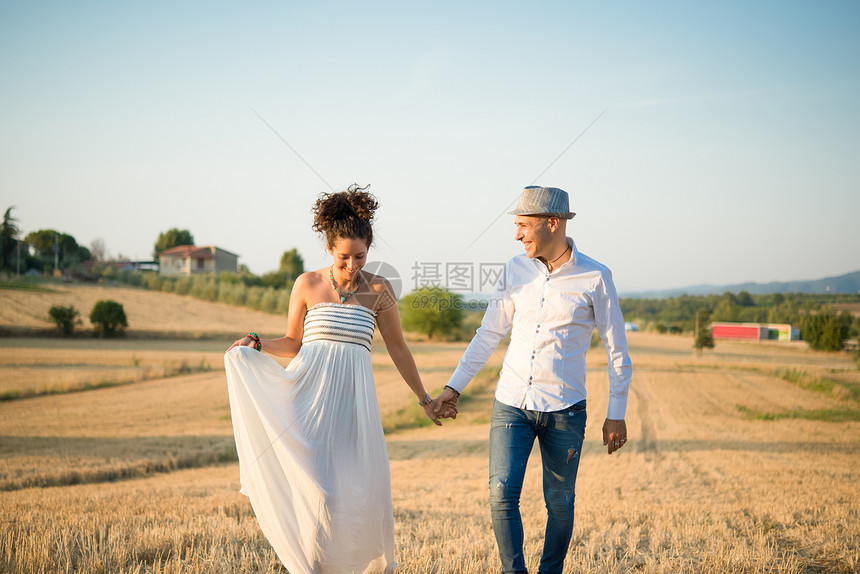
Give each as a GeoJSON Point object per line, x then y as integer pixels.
{"type": "Point", "coordinates": [245, 341]}
{"type": "Point", "coordinates": [429, 410]}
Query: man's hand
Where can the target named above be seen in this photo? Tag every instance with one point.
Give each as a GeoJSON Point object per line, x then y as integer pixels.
{"type": "Point", "coordinates": [614, 434]}
{"type": "Point", "coordinates": [445, 405]}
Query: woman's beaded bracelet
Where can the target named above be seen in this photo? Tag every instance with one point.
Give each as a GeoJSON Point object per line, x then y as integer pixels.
{"type": "Point", "coordinates": [258, 345]}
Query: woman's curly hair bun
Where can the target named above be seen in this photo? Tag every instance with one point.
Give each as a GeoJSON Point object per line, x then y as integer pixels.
{"type": "Point", "coordinates": [346, 214]}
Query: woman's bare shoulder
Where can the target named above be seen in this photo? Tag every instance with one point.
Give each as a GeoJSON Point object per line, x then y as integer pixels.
{"type": "Point", "coordinates": [311, 278]}
{"type": "Point", "coordinates": [377, 283]}
{"type": "Point", "coordinates": [384, 297]}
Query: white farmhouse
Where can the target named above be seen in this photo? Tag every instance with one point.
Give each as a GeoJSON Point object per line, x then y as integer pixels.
{"type": "Point", "coordinates": [194, 260]}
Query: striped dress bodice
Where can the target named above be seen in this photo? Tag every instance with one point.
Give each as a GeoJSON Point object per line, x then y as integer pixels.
{"type": "Point", "coordinates": [340, 323]}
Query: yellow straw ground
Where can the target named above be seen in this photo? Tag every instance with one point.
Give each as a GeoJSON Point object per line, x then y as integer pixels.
{"type": "Point", "coordinates": [146, 479]}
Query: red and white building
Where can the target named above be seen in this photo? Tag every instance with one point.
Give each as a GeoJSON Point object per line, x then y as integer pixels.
{"type": "Point", "coordinates": [755, 331]}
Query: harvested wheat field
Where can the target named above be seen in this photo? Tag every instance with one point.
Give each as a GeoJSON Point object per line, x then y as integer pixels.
{"type": "Point", "coordinates": [147, 311]}
{"type": "Point", "coordinates": [744, 459]}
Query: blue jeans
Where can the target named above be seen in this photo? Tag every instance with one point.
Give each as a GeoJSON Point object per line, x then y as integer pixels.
{"type": "Point", "coordinates": [512, 435]}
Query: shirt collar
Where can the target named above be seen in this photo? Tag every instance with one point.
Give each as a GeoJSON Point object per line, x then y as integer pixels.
{"type": "Point", "coordinates": [574, 255]}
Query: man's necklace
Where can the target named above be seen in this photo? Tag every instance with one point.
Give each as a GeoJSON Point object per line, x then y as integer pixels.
{"type": "Point", "coordinates": [549, 265]}
{"type": "Point", "coordinates": [344, 295]}
{"type": "Point", "coordinates": [560, 256]}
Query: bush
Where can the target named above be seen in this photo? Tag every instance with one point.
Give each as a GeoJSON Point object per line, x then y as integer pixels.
{"type": "Point", "coordinates": [704, 337]}
{"type": "Point", "coordinates": [108, 318]}
{"type": "Point", "coordinates": [130, 278]}
{"type": "Point", "coordinates": [825, 330]}
{"type": "Point", "coordinates": [434, 311]}
{"type": "Point", "coordinates": [65, 317]}
{"type": "Point", "coordinates": [183, 286]}
{"type": "Point", "coordinates": [204, 287]}
{"type": "Point", "coordinates": [269, 300]}
{"type": "Point", "coordinates": [232, 293]}
{"type": "Point", "coordinates": [283, 305]}
{"type": "Point", "coordinates": [152, 281]}
{"type": "Point", "coordinates": [254, 295]}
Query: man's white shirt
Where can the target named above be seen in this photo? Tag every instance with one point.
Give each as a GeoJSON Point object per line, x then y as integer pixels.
{"type": "Point", "coordinates": [551, 317]}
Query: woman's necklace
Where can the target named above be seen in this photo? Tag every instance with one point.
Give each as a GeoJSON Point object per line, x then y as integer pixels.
{"type": "Point", "coordinates": [344, 295]}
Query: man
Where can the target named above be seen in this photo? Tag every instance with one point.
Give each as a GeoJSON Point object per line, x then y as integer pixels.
{"type": "Point", "coordinates": [552, 297]}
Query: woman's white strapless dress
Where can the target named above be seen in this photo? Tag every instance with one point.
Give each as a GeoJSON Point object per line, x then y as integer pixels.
{"type": "Point", "coordinates": [312, 456]}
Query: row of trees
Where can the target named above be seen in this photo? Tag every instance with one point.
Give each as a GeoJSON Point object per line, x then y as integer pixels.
{"type": "Point", "coordinates": [46, 249]}
{"type": "Point", "coordinates": [43, 249]}
{"type": "Point", "coordinates": [227, 287]}
{"type": "Point", "coordinates": [680, 312]}
{"type": "Point", "coordinates": [821, 326]}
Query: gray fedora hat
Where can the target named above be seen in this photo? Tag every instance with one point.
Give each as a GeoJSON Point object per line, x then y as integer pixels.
{"type": "Point", "coordinates": [537, 200]}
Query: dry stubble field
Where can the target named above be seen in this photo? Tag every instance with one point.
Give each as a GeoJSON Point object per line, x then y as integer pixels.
{"type": "Point", "coordinates": [142, 477]}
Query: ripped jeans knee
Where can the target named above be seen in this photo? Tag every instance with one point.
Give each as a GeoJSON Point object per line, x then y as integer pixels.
{"type": "Point", "coordinates": [503, 496]}
{"type": "Point", "coordinates": [559, 503]}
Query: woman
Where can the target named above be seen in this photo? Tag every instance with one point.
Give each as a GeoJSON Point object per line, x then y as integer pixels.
{"type": "Point", "coordinates": [312, 456]}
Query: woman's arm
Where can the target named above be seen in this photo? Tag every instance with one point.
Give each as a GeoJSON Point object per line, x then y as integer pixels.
{"type": "Point", "coordinates": [388, 320]}
{"type": "Point", "coordinates": [289, 344]}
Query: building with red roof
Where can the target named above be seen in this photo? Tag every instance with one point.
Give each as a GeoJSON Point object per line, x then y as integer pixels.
{"type": "Point", "coordinates": [194, 260]}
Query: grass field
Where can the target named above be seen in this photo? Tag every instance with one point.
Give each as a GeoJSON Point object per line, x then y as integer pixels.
{"type": "Point", "coordinates": [141, 477]}
{"type": "Point", "coordinates": [149, 312]}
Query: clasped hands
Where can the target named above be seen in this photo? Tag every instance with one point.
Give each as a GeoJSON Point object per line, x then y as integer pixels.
{"type": "Point", "coordinates": [442, 407]}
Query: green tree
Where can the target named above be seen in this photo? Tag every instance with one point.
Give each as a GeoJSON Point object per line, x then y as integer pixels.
{"type": "Point", "coordinates": [276, 280]}
{"type": "Point", "coordinates": [69, 252]}
{"type": "Point", "coordinates": [292, 264]}
{"type": "Point", "coordinates": [785, 311]}
{"type": "Point", "coordinates": [434, 311]}
{"type": "Point", "coordinates": [172, 238]}
{"type": "Point", "coordinates": [248, 278]}
{"type": "Point", "coordinates": [66, 318]}
{"type": "Point", "coordinates": [744, 299]}
{"type": "Point", "coordinates": [727, 309]}
{"type": "Point", "coordinates": [9, 233]}
{"type": "Point", "coordinates": [704, 337]}
{"type": "Point", "coordinates": [108, 318]}
{"type": "Point", "coordinates": [825, 330]}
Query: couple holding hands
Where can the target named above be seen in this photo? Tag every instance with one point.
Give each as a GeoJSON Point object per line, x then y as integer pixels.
{"type": "Point", "coordinates": [312, 455]}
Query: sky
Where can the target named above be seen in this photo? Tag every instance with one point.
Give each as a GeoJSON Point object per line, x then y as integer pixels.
{"type": "Point", "coordinates": [705, 142]}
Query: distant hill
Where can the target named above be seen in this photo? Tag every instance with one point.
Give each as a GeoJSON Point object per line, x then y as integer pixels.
{"type": "Point", "coordinates": [848, 283]}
